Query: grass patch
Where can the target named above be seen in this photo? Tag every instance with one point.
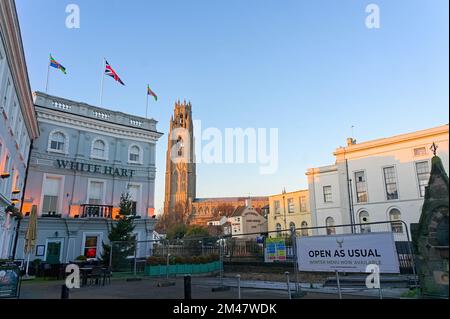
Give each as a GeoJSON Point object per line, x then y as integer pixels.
{"type": "Point", "coordinates": [413, 293]}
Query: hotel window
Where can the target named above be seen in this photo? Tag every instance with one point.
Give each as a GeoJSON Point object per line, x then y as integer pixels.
{"type": "Point", "coordinates": [18, 129]}
{"type": "Point", "coordinates": [423, 176]}
{"type": "Point", "coordinates": [99, 149]}
{"type": "Point", "coordinates": [57, 142]}
{"type": "Point", "coordinates": [363, 219]}
{"type": "Point", "coordinates": [276, 205]}
{"type": "Point", "coordinates": [420, 151]}
{"type": "Point", "coordinates": [90, 246]}
{"type": "Point", "coordinates": [290, 205]}
{"type": "Point", "coordinates": [303, 204]}
{"type": "Point", "coordinates": [329, 222]}
{"type": "Point", "coordinates": [327, 195]}
{"type": "Point", "coordinates": [134, 154]}
{"type": "Point", "coordinates": [278, 229]}
{"type": "Point", "coordinates": [96, 193]}
{"type": "Point", "coordinates": [390, 181]}
{"type": "Point", "coordinates": [133, 191]}
{"type": "Point", "coordinates": [361, 187]}
{"type": "Point", "coordinates": [395, 217]}
{"type": "Point", "coordinates": [6, 168]}
{"type": "Point", "coordinates": [12, 115]}
{"type": "Point", "coordinates": [5, 97]}
{"type": "Point", "coordinates": [305, 231]}
{"type": "Point", "coordinates": [52, 187]}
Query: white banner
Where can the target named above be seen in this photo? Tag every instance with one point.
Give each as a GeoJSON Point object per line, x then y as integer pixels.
{"type": "Point", "coordinates": [348, 253]}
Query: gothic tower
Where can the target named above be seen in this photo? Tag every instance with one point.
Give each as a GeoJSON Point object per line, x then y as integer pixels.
{"type": "Point", "coordinates": [180, 163]}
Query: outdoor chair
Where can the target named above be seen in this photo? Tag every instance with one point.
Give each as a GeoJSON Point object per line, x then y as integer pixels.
{"type": "Point", "coordinates": [95, 276]}
{"type": "Point", "coordinates": [107, 274]}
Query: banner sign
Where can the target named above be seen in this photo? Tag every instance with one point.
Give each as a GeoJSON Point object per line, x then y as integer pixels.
{"type": "Point", "coordinates": [9, 281]}
{"type": "Point", "coordinates": [348, 253]}
{"type": "Point", "coordinates": [275, 250]}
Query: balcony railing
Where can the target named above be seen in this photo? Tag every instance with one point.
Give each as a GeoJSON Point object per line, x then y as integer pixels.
{"type": "Point", "coordinates": [96, 211]}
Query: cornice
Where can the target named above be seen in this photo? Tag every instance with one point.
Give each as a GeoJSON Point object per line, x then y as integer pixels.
{"type": "Point", "coordinates": [77, 122]}
{"type": "Point", "coordinates": [392, 140]}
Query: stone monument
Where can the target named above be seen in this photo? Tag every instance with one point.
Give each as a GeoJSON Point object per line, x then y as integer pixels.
{"type": "Point", "coordinates": [430, 235]}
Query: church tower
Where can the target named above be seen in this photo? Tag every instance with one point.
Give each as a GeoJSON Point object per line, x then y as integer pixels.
{"type": "Point", "coordinates": [180, 163]}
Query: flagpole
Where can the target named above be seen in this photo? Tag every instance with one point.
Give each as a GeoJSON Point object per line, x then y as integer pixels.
{"type": "Point", "coordinates": [101, 86]}
{"type": "Point", "coordinates": [146, 105]}
{"type": "Point", "coordinates": [48, 74]}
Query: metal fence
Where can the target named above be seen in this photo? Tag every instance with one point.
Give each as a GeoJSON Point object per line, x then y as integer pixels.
{"type": "Point", "coordinates": [132, 257]}
{"type": "Point", "coordinates": [251, 247]}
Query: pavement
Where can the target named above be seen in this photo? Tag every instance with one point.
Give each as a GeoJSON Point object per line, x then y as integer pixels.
{"type": "Point", "coordinates": [148, 288]}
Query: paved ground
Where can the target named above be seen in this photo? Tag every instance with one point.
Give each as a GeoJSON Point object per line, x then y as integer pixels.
{"type": "Point", "coordinates": [148, 289]}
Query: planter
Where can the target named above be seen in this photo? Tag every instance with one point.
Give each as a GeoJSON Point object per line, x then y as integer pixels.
{"type": "Point", "coordinates": [181, 269]}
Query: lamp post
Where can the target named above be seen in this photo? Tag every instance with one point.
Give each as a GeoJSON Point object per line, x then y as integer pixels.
{"type": "Point", "coordinates": [284, 208]}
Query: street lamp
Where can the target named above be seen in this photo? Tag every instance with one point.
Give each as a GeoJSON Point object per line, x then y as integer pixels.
{"type": "Point", "coordinates": [284, 208]}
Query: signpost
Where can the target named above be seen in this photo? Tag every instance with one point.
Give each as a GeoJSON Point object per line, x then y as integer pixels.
{"type": "Point", "coordinates": [275, 250]}
{"type": "Point", "coordinates": [348, 253]}
{"type": "Point", "coordinates": [10, 281]}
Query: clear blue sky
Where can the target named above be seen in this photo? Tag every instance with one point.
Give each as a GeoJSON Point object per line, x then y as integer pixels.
{"type": "Point", "coordinates": [307, 67]}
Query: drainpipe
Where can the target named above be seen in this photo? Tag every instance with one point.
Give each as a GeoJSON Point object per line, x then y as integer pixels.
{"type": "Point", "coordinates": [350, 201]}
{"type": "Point", "coordinates": [16, 237]}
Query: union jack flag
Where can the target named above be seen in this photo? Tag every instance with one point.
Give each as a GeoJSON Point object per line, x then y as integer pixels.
{"type": "Point", "coordinates": [109, 71]}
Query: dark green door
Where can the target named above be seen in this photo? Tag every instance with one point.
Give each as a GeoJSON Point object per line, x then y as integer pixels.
{"type": "Point", "coordinates": [53, 252]}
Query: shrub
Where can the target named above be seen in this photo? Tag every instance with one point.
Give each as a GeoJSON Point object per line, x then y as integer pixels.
{"type": "Point", "coordinates": [81, 258]}
{"type": "Point", "coordinates": [180, 260]}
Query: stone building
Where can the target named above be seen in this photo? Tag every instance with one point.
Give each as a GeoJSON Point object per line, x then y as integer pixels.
{"type": "Point", "coordinates": [18, 124]}
{"type": "Point", "coordinates": [289, 211]}
{"type": "Point", "coordinates": [375, 181]}
{"type": "Point", "coordinates": [84, 160]}
{"type": "Point", "coordinates": [180, 162]}
{"type": "Point", "coordinates": [180, 184]}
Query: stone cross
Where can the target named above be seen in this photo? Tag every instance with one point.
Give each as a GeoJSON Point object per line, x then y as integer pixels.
{"type": "Point", "coordinates": [434, 148]}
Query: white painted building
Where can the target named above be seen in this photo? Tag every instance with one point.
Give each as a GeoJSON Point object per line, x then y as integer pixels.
{"type": "Point", "coordinates": [246, 220]}
{"type": "Point", "coordinates": [374, 181]}
{"type": "Point", "coordinates": [18, 125]}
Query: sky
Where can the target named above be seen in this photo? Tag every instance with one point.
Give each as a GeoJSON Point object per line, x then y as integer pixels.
{"type": "Point", "coordinates": [310, 68]}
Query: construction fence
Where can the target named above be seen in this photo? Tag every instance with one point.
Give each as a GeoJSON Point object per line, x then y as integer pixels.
{"type": "Point", "coordinates": [207, 254]}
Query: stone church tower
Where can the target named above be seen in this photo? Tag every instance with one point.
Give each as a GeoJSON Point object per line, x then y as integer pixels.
{"type": "Point", "coordinates": [180, 163]}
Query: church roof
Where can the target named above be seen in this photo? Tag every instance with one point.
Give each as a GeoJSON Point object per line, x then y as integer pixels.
{"type": "Point", "coordinates": [230, 199]}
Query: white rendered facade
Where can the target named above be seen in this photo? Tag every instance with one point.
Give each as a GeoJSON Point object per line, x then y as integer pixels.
{"type": "Point", "coordinates": [386, 178]}
{"type": "Point", "coordinates": [18, 125]}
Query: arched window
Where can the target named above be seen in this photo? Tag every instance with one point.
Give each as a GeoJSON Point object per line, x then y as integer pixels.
{"type": "Point", "coordinates": [395, 216]}
{"type": "Point", "coordinates": [58, 142]}
{"type": "Point", "coordinates": [134, 154]}
{"type": "Point", "coordinates": [329, 222]}
{"type": "Point", "coordinates": [180, 146]}
{"type": "Point", "coordinates": [292, 226]}
{"type": "Point", "coordinates": [304, 231]}
{"type": "Point", "coordinates": [363, 219]}
{"type": "Point", "coordinates": [278, 229]}
{"type": "Point", "coordinates": [99, 149]}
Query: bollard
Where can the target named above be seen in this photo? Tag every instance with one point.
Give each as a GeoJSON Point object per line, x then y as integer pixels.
{"type": "Point", "coordinates": [239, 285]}
{"type": "Point", "coordinates": [288, 284]}
{"type": "Point", "coordinates": [187, 287]}
{"type": "Point", "coordinates": [64, 292]}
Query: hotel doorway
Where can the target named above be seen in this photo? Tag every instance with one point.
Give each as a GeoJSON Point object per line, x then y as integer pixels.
{"type": "Point", "coordinates": [53, 255]}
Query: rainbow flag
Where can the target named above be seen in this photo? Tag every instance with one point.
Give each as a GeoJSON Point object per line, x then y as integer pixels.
{"type": "Point", "coordinates": [57, 65]}
{"type": "Point", "coordinates": [150, 92]}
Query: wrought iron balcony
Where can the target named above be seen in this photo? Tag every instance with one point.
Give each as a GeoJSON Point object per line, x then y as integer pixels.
{"type": "Point", "coordinates": [96, 211]}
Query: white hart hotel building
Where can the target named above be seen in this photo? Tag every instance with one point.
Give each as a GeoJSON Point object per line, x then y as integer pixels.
{"type": "Point", "coordinates": [84, 160]}
{"type": "Point", "coordinates": [18, 125]}
{"type": "Point", "coordinates": [379, 180]}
